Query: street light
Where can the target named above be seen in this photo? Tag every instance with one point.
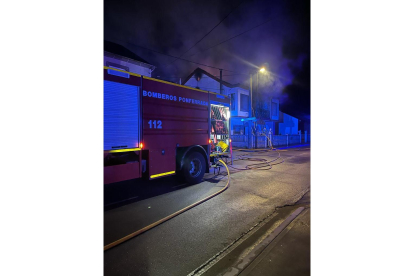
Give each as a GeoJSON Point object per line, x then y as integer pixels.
{"type": "Point", "coordinates": [261, 70]}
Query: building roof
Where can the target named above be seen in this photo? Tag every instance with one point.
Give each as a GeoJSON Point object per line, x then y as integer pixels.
{"type": "Point", "coordinates": [120, 50]}
{"type": "Point", "coordinates": [225, 83]}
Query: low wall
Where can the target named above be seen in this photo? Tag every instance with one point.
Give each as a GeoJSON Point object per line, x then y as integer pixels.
{"type": "Point", "coordinates": [241, 141]}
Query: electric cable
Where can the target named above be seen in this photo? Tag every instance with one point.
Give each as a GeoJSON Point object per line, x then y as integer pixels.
{"type": "Point", "coordinates": [203, 77]}
{"type": "Point", "coordinates": [201, 64]}
{"type": "Point", "coordinates": [209, 31]}
{"type": "Point", "coordinates": [234, 36]}
{"type": "Point", "coordinates": [158, 52]}
{"type": "Point", "coordinates": [146, 228]}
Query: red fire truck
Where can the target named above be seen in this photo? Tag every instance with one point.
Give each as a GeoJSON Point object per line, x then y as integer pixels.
{"type": "Point", "coordinates": [154, 128]}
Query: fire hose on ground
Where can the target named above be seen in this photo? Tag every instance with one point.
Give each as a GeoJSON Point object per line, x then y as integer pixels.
{"type": "Point", "coordinates": [142, 230]}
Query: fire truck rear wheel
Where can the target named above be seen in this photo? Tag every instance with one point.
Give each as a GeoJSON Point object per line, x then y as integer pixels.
{"type": "Point", "coordinates": [194, 167]}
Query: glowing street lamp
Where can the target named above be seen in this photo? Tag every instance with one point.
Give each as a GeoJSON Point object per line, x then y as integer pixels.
{"type": "Point", "coordinates": [261, 70]}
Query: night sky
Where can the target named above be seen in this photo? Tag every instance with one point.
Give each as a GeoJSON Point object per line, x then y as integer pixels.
{"type": "Point", "coordinates": [174, 27]}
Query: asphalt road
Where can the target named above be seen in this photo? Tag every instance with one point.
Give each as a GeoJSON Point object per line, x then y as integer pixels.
{"type": "Point", "coordinates": [182, 244]}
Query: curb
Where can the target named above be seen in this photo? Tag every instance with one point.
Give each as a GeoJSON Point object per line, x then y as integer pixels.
{"type": "Point", "coordinates": [249, 258]}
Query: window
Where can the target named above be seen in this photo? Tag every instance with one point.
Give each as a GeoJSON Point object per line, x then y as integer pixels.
{"type": "Point", "coordinates": [274, 109]}
{"type": "Point", "coordinates": [232, 102]}
{"type": "Point", "coordinates": [244, 102]}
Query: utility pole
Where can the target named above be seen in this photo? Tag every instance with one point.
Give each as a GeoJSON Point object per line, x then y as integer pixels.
{"type": "Point", "coordinates": [257, 94]}
{"type": "Point", "coordinates": [221, 81]}
{"type": "Point", "coordinates": [249, 132]}
{"type": "Point", "coordinates": [251, 123]}
{"type": "Point", "coordinates": [251, 96]}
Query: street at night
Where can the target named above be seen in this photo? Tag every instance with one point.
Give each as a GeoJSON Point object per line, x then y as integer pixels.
{"type": "Point", "coordinates": [206, 138]}
{"type": "Point", "coordinates": [196, 240]}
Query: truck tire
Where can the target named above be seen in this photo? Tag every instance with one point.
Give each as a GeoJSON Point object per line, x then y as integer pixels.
{"type": "Point", "coordinates": [194, 167]}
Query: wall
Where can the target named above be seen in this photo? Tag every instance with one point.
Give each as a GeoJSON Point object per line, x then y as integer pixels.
{"type": "Point", "coordinates": [274, 102]}
{"type": "Point", "coordinates": [237, 126]}
{"type": "Point", "coordinates": [132, 66]}
{"type": "Point", "coordinates": [289, 124]}
{"type": "Point", "coordinates": [282, 124]}
{"type": "Point", "coordinates": [241, 141]}
{"type": "Point", "coordinates": [209, 84]}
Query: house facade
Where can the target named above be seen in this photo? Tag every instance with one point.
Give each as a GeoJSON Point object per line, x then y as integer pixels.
{"type": "Point", "coordinates": [278, 122]}
{"type": "Point", "coordinates": [118, 57]}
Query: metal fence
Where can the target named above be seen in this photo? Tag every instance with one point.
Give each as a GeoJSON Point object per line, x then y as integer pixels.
{"type": "Point", "coordinates": [241, 141]}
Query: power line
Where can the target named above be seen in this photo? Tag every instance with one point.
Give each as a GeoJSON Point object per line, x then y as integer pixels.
{"type": "Point", "coordinates": [155, 51]}
{"type": "Point", "coordinates": [217, 76]}
{"type": "Point", "coordinates": [201, 64]}
{"type": "Point", "coordinates": [211, 29]}
{"type": "Point", "coordinates": [234, 36]}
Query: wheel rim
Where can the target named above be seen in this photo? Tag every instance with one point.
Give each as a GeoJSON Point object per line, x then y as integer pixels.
{"type": "Point", "coordinates": [195, 167]}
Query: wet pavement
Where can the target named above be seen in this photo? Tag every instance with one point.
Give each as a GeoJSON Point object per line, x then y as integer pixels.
{"type": "Point", "coordinates": [186, 242]}
{"type": "Point", "coordinates": [280, 246]}
{"type": "Point", "coordinates": [288, 254]}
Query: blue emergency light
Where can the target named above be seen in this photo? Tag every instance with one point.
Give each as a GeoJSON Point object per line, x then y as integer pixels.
{"type": "Point", "coordinates": [249, 119]}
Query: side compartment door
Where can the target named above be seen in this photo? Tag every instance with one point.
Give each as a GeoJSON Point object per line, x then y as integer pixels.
{"type": "Point", "coordinates": [121, 115]}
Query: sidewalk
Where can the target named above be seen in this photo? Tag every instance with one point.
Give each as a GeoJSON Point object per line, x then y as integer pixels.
{"type": "Point", "coordinates": [285, 250]}
{"type": "Point", "coordinates": [288, 253]}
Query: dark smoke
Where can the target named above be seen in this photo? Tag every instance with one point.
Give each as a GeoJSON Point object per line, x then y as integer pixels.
{"type": "Point", "coordinates": [296, 48]}
{"type": "Point", "coordinates": [298, 103]}
{"type": "Point", "coordinates": [174, 26]}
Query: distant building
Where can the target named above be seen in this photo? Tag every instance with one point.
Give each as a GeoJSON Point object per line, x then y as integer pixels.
{"type": "Point", "coordinates": [119, 57]}
{"type": "Point", "coordinates": [277, 121]}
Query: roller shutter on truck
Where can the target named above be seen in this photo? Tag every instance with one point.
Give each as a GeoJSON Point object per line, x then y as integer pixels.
{"type": "Point", "coordinates": [121, 116]}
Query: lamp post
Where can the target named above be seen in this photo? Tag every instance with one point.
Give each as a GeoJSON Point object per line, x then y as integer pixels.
{"type": "Point", "coordinates": [261, 70]}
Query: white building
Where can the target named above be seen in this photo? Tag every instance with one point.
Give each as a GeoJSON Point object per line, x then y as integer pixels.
{"type": "Point", "coordinates": [119, 57]}
{"type": "Point", "coordinates": [280, 123]}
